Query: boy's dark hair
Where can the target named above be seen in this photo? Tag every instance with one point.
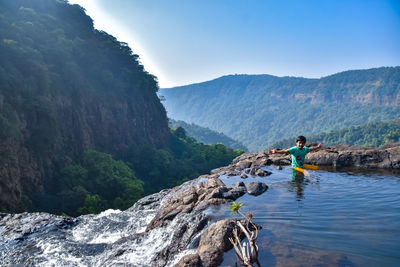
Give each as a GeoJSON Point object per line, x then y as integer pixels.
{"type": "Point", "coordinates": [301, 138]}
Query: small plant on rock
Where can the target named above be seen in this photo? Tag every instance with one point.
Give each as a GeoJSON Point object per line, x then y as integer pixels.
{"type": "Point", "coordinates": [234, 207]}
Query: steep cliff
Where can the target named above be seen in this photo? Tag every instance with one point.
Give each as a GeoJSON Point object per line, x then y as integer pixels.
{"type": "Point", "coordinates": [65, 88]}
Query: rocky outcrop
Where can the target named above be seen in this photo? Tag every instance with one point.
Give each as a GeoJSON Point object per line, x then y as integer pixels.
{"type": "Point", "coordinates": [213, 243]}
{"type": "Point", "coordinates": [175, 227]}
{"type": "Point", "coordinates": [387, 157]}
{"type": "Point", "coordinates": [339, 156]}
{"type": "Point", "coordinates": [195, 198]}
{"type": "Point", "coordinates": [169, 222]}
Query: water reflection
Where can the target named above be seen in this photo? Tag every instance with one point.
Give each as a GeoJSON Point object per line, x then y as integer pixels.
{"type": "Point", "coordinates": [321, 220]}
{"type": "Point", "coordinates": [297, 184]}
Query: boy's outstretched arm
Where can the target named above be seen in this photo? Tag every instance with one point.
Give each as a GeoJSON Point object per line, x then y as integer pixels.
{"type": "Point", "coordinates": [278, 151]}
{"type": "Point", "coordinates": [314, 148]}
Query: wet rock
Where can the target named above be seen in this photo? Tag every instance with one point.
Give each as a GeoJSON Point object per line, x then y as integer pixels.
{"type": "Point", "coordinates": [214, 242]}
{"type": "Point", "coordinates": [241, 165]}
{"type": "Point", "coordinates": [262, 173]}
{"type": "Point", "coordinates": [218, 170]}
{"type": "Point", "coordinates": [209, 176]}
{"type": "Point", "coordinates": [196, 197]}
{"type": "Point", "coordinates": [149, 202]}
{"type": "Point", "coordinates": [232, 173]}
{"type": "Point", "coordinates": [257, 171]}
{"type": "Point", "coordinates": [191, 260]}
{"type": "Point", "coordinates": [239, 184]}
{"type": "Point", "coordinates": [256, 188]}
{"type": "Point", "coordinates": [243, 176]}
{"type": "Point", "coordinates": [235, 193]}
{"type": "Point", "coordinates": [243, 157]}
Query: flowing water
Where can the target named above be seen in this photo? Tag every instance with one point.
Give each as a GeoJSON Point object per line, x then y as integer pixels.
{"type": "Point", "coordinates": [332, 219]}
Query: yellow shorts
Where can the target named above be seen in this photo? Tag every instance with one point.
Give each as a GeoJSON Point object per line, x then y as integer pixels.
{"type": "Point", "coordinates": [307, 167]}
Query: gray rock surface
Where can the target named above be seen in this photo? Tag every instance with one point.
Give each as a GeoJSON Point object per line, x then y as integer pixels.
{"type": "Point", "coordinates": [387, 157]}
{"type": "Point", "coordinates": [256, 188]}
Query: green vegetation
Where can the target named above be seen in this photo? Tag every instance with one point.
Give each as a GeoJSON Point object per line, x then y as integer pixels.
{"type": "Point", "coordinates": [374, 134]}
{"type": "Point", "coordinates": [234, 207]}
{"type": "Point", "coordinates": [81, 126]}
{"type": "Point", "coordinates": [259, 110]}
{"type": "Point", "coordinates": [205, 135]}
{"type": "Point", "coordinates": [187, 159]}
{"type": "Point", "coordinates": [99, 182]}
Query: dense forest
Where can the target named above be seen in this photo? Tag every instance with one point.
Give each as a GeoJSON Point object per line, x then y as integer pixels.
{"type": "Point", "coordinates": [81, 126]}
{"type": "Point", "coordinates": [373, 134]}
{"type": "Point", "coordinates": [205, 135]}
{"type": "Point", "coordinates": [259, 110]}
{"type": "Point", "coordinates": [97, 181]}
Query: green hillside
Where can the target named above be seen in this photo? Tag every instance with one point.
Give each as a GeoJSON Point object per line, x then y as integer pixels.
{"type": "Point", "coordinates": [81, 126]}
{"type": "Point", "coordinates": [259, 110]}
{"type": "Point", "coordinates": [374, 134]}
{"type": "Point", "coordinates": [206, 136]}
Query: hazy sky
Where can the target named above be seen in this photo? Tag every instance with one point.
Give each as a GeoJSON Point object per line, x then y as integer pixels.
{"type": "Point", "coordinates": [188, 41]}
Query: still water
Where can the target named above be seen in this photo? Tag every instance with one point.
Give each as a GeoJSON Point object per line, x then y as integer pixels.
{"type": "Point", "coordinates": [341, 218]}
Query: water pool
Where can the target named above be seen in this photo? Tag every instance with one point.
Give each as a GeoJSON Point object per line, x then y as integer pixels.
{"type": "Point", "coordinates": [342, 218]}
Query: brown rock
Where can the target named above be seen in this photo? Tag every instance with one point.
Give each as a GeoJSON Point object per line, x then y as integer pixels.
{"type": "Point", "coordinates": [193, 198]}
{"type": "Point", "coordinates": [262, 173]}
{"type": "Point", "coordinates": [241, 165]}
{"type": "Point", "coordinates": [243, 176]}
{"type": "Point", "coordinates": [214, 242]}
{"type": "Point", "coordinates": [387, 157]}
{"type": "Point", "coordinates": [191, 260]}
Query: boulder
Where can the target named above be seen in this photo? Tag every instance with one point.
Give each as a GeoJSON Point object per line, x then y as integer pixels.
{"type": "Point", "coordinates": [241, 165]}
{"type": "Point", "coordinates": [214, 242]}
{"type": "Point", "coordinates": [256, 188]}
{"type": "Point", "coordinates": [262, 173]}
{"type": "Point", "coordinates": [191, 260]}
{"type": "Point", "coordinates": [243, 176]}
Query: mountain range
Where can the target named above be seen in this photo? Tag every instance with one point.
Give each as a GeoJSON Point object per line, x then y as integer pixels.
{"type": "Point", "coordinates": [259, 110]}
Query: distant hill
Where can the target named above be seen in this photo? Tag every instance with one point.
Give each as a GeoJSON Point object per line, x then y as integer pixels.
{"type": "Point", "coordinates": [373, 134]}
{"type": "Point", "coordinates": [259, 110]}
{"type": "Point", "coordinates": [207, 136]}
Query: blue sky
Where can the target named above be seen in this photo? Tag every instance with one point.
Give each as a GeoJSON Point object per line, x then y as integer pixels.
{"type": "Point", "coordinates": [188, 41]}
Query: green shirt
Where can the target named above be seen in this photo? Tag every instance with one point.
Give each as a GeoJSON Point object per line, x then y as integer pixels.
{"type": "Point", "coordinates": [298, 156]}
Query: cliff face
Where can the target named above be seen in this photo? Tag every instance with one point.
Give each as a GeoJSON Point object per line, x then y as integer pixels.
{"type": "Point", "coordinates": [110, 124]}
{"type": "Point", "coordinates": [66, 88]}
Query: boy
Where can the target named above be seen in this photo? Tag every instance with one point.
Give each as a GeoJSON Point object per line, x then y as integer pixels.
{"type": "Point", "coordinates": [298, 153]}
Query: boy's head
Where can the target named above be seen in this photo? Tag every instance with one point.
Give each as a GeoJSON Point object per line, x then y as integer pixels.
{"type": "Point", "coordinates": [301, 141]}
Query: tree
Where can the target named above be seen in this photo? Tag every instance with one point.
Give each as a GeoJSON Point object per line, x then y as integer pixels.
{"type": "Point", "coordinates": [93, 205]}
